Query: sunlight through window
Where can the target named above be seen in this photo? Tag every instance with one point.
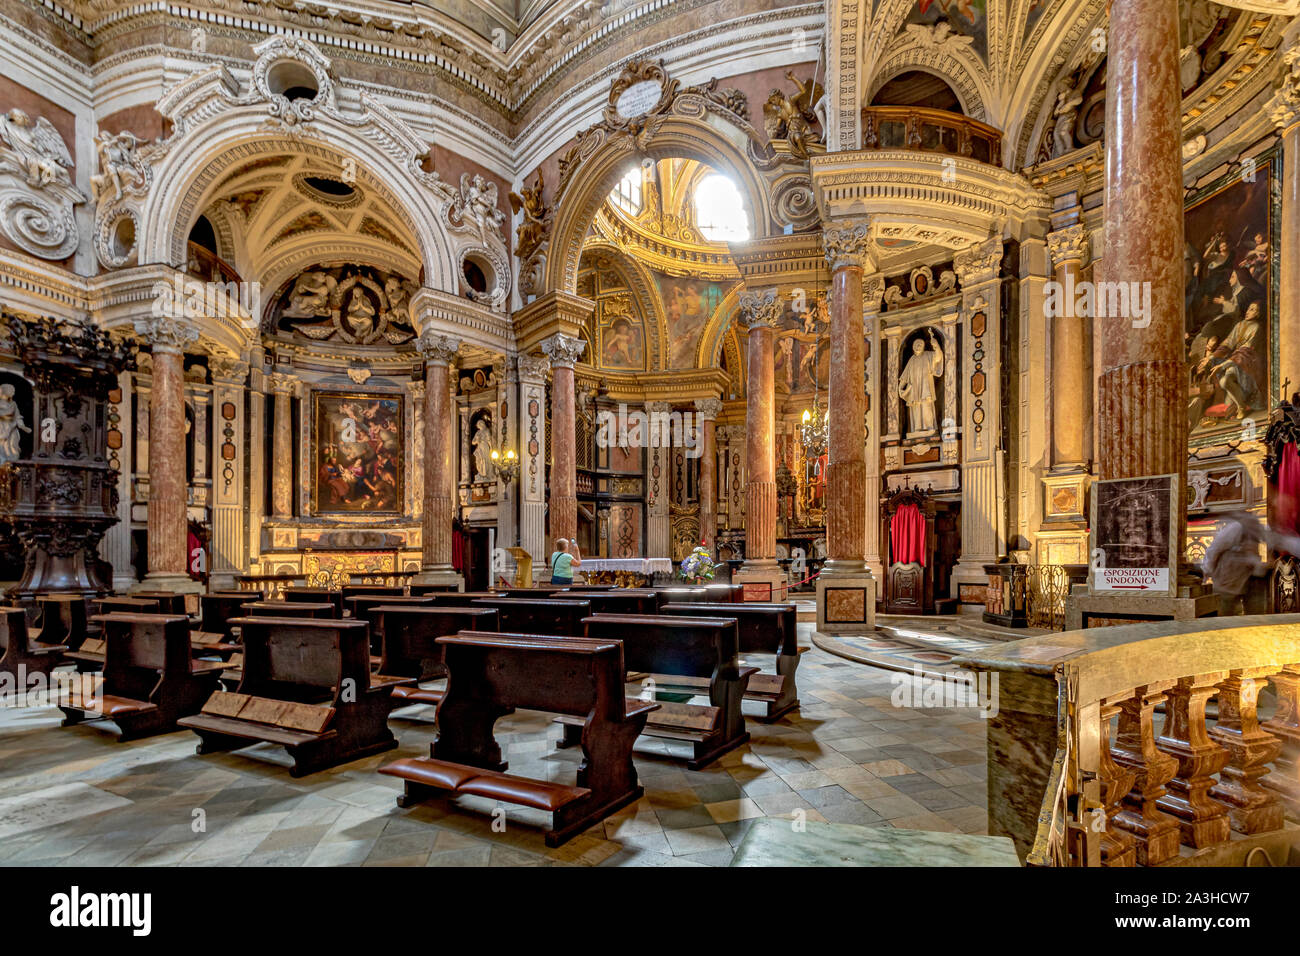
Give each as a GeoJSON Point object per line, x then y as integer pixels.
{"type": "Point", "coordinates": [627, 194]}
{"type": "Point", "coordinates": [719, 210]}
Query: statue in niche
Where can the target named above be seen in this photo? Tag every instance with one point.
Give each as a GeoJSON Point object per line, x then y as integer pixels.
{"type": "Point", "coordinates": [532, 229]}
{"type": "Point", "coordinates": [40, 155]}
{"type": "Point", "coordinates": [311, 295]}
{"type": "Point", "coordinates": [482, 450]}
{"type": "Point", "coordinates": [361, 315]}
{"type": "Point", "coordinates": [916, 386]}
{"type": "Point", "coordinates": [11, 423]}
{"type": "Point", "coordinates": [1066, 112]}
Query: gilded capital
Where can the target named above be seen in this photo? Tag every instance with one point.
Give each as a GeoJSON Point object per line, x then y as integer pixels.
{"type": "Point", "coordinates": [848, 244]}
{"type": "Point", "coordinates": [563, 350]}
{"type": "Point", "coordinates": [1069, 245]}
{"type": "Point", "coordinates": [438, 348]}
{"type": "Point", "coordinates": [759, 309]}
{"type": "Point", "coordinates": [283, 383]}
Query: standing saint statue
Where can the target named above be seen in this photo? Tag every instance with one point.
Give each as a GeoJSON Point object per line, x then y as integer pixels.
{"type": "Point", "coordinates": [11, 423]}
{"type": "Point", "coordinates": [482, 451]}
{"type": "Point", "coordinates": [916, 385]}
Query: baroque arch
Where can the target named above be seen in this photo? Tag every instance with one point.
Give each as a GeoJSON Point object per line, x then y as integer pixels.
{"type": "Point", "coordinates": [707, 123]}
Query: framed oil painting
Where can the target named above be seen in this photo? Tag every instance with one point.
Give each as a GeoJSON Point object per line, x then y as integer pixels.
{"type": "Point", "coordinates": [1231, 292]}
{"type": "Point", "coordinates": [357, 453]}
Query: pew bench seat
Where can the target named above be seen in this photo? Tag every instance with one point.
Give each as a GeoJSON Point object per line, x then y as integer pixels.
{"type": "Point", "coordinates": [254, 730]}
{"type": "Point", "coordinates": [761, 687]}
{"type": "Point", "coordinates": [698, 724]}
{"type": "Point", "coordinates": [107, 706]}
{"type": "Point", "coordinates": [415, 694]}
{"type": "Point", "coordinates": [475, 781]}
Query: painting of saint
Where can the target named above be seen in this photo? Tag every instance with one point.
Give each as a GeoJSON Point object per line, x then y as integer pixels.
{"type": "Point", "coordinates": [688, 304]}
{"type": "Point", "coordinates": [358, 454]}
{"type": "Point", "coordinates": [1229, 300]}
{"type": "Point", "coordinates": [964, 18]}
{"type": "Point", "coordinates": [621, 344]}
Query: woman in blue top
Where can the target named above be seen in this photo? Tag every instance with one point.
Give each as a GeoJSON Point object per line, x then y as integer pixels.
{"type": "Point", "coordinates": [564, 559]}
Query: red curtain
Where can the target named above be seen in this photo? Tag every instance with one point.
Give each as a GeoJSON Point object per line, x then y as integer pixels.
{"type": "Point", "coordinates": [1286, 514]}
{"type": "Point", "coordinates": [907, 535]}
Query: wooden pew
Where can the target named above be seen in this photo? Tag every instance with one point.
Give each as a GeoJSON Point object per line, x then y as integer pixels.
{"type": "Point", "coordinates": [324, 609]}
{"type": "Point", "coordinates": [21, 652]}
{"type": "Point", "coordinates": [614, 601]}
{"type": "Point", "coordinates": [718, 592]}
{"type": "Point", "coordinates": [463, 598]}
{"type": "Point", "coordinates": [681, 595]}
{"type": "Point", "coordinates": [90, 655]}
{"type": "Point", "coordinates": [762, 629]}
{"type": "Point", "coordinates": [493, 673]}
{"type": "Point", "coordinates": [667, 647]}
{"type": "Point", "coordinates": [541, 616]}
{"type": "Point", "coordinates": [216, 610]}
{"type": "Point", "coordinates": [60, 619]}
{"type": "Point", "coordinates": [361, 606]}
{"type": "Point", "coordinates": [420, 590]}
{"type": "Point", "coordinates": [356, 590]}
{"type": "Point", "coordinates": [301, 595]}
{"type": "Point", "coordinates": [150, 681]}
{"type": "Point", "coordinates": [411, 648]}
{"type": "Point", "coordinates": [306, 685]}
{"type": "Point", "coordinates": [169, 602]}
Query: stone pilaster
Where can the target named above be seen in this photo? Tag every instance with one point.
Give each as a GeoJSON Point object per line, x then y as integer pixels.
{"type": "Point", "coordinates": [1071, 339]}
{"type": "Point", "coordinates": [563, 351]}
{"type": "Point", "coordinates": [532, 473]}
{"type": "Point", "coordinates": [873, 290]}
{"type": "Point", "coordinates": [658, 490]}
{"type": "Point", "coordinates": [116, 546]}
{"type": "Point", "coordinates": [228, 548]}
{"type": "Point", "coordinates": [1284, 109]}
{"type": "Point", "coordinates": [168, 551]}
{"type": "Point", "coordinates": [255, 511]}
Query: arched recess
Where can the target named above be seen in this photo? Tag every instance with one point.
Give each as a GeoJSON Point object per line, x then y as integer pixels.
{"type": "Point", "coordinates": [720, 328]}
{"type": "Point", "coordinates": [967, 79]}
{"type": "Point", "coordinates": [711, 140]}
{"type": "Point", "coordinates": [187, 177]}
{"type": "Point", "coordinates": [638, 281]}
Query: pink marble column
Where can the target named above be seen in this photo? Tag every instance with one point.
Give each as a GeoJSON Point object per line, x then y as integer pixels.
{"type": "Point", "coordinates": [1142, 401]}
{"type": "Point", "coordinates": [847, 252]}
{"type": "Point", "coordinates": [1284, 110]}
{"type": "Point", "coordinates": [1071, 339]}
{"type": "Point", "coordinates": [707, 411]}
{"type": "Point", "coordinates": [168, 551]}
{"type": "Point", "coordinates": [759, 312]}
{"type": "Point", "coordinates": [563, 351]}
{"type": "Point", "coordinates": [438, 351]}
{"type": "Point", "coordinates": [283, 387]}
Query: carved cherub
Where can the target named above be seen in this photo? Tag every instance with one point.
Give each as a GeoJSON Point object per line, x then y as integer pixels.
{"type": "Point", "coordinates": [40, 155]}
{"type": "Point", "coordinates": [791, 118]}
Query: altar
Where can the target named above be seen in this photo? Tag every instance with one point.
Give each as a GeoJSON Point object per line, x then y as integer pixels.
{"type": "Point", "coordinates": [624, 572]}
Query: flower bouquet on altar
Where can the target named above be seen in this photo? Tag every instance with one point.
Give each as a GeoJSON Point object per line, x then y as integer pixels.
{"type": "Point", "coordinates": [697, 567]}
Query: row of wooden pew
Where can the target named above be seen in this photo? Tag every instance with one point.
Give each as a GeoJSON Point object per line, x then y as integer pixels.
{"type": "Point", "coordinates": [319, 673]}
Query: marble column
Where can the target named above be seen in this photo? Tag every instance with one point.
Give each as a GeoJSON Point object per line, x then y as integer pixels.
{"type": "Point", "coordinates": [873, 291]}
{"type": "Point", "coordinates": [846, 596]}
{"type": "Point", "coordinates": [1141, 405]}
{"type": "Point", "coordinates": [707, 411]}
{"type": "Point", "coordinates": [438, 351]}
{"type": "Point", "coordinates": [1071, 340]}
{"type": "Point", "coordinates": [168, 549]}
{"type": "Point", "coordinates": [228, 549]}
{"type": "Point", "coordinates": [1284, 110]}
{"type": "Point", "coordinates": [283, 385]}
{"type": "Point", "coordinates": [563, 351]}
{"type": "Point", "coordinates": [761, 575]}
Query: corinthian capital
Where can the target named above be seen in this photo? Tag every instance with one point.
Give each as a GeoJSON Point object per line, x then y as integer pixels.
{"type": "Point", "coordinates": [282, 383]}
{"type": "Point", "coordinates": [759, 309]}
{"type": "Point", "coordinates": [166, 333]}
{"type": "Point", "coordinates": [1284, 107]}
{"type": "Point", "coordinates": [227, 370]}
{"type": "Point", "coordinates": [979, 263]}
{"type": "Point", "coordinates": [708, 408]}
{"type": "Point", "coordinates": [1068, 245]}
{"type": "Point", "coordinates": [873, 290]}
{"type": "Point", "coordinates": [532, 368]}
{"type": "Point", "coordinates": [437, 347]}
{"type": "Point", "coordinates": [848, 244]}
{"type": "Point", "coordinates": [563, 350]}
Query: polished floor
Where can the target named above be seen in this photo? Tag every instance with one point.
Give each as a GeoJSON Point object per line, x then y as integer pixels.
{"type": "Point", "coordinates": [75, 797]}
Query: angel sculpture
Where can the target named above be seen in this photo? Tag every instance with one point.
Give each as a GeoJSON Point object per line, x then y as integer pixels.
{"type": "Point", "coordinates": [1068, 102]}
{"type": "Point", "coordinates": [791, 118]}
{"type": "Point", "coordinates": [478, 199]}
{"type": "Point", "coordinates": [118, 165]}
{"type": "Point", "coordinates": [39, 154]}
{"type": "Point", "coordinates": [311, 295]}
{"type": "Point", "coordinates": [532, 230]}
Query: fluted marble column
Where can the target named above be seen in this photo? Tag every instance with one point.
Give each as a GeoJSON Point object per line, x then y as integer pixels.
{"type": "Point", "coordinates": [167, 338]}
{"type": "Point", "coordinates": [847, 252]}
{"type": "Point", "coordinates": [1141, 406]}
{"type": "Point", "coordinates": [1071, 340]}
{"type": "Point", "coordinates": [283, 385]}
{"type": "Point", "coordinates": [707, 411]}
{"type": "Point", "coordinates": [761, 575]}
{"type": "Point", "coordinates": [563, 351]}
{"type": "Point", "coordinates": [438, 351]}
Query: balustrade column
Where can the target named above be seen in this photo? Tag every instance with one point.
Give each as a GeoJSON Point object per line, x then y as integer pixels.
{"type": "Point", "coordinates": [707, 412]}
{"type": "Point", "coordinates": [1203, 820]}
{"type": "Point", "coordinates": [438, 351]}
{"type": "Point", "coordinates": [563, 351]}
{"type": "Point", "coordinates": [1285, 725]}
{"type": "Point", "coordinates": [1135, 747]}
{"type": "Point", "coordinates": [1118, 848]}
{"type": "Point", "coordinates": [168, 551]}
{"type": "Point", "coordinates": [1251, 808]}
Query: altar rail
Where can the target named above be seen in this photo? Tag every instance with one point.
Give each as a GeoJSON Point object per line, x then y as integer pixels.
{"type": "Point", "coordinates": [1208, 790]}
{"type": "Point", "coordinates": [273, 585]}
{"type": "Point", "coordinates": [933, 131]}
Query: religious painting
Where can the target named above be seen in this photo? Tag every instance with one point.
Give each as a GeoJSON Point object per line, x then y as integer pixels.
{"type": "Point", "coordinates": [1230, 272]}
{"type": "Point", "coordinates": [966, 18]}
{"type": "Point", "coordinates": [357, 457]}
{"type": "Point", "coordinates": [1135, 529]}
{"type": "Point", "coordinates": [622, 337]}
{"type": "Point", "coordinates": [688, 304]}
{"type": "Point", "coordinates": [802, 359]}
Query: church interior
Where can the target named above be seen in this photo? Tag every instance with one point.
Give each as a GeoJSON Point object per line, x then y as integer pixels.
{"type": "Point", "coordinates": [650, 432]}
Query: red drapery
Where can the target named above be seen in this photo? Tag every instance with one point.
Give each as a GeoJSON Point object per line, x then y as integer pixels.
{"type": "Point", "coordinates": [907, 535]}
{"type": "Point", "coordinates": [1286, 515]}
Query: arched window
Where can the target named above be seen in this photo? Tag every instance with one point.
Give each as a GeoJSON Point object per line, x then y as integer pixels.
{"type": "Point", "coordinates": [719, 210]}
{"type": "Point", "coordinates": [627, 194]}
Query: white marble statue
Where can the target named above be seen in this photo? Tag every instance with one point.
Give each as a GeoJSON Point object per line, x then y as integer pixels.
{"type": "Point", "coordinates": [118, 164]}
{"type": "Point", "coordinates": [37, 151]}
{"type": "Point", "coordinates": [11, 423]}
{"type": "Point", "coordinates": [916, 386]}
{"type": "Point", "coordinates": [482, 450]}
{"type": "Point", "coordinates": [1066, 112]}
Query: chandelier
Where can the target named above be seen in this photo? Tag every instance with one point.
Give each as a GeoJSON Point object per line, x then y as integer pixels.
{"type": "Point", "coordinates": [814, 429]}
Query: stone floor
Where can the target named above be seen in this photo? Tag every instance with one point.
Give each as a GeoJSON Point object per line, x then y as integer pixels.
{"type": "Point", "coordinates": [76, 797]}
